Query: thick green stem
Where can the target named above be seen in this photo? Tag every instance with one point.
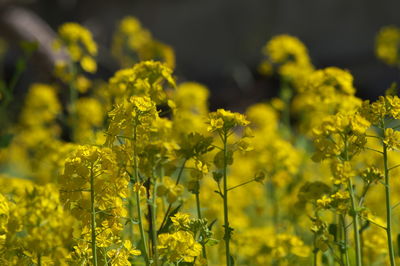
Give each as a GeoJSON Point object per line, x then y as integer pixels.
{"type": "Point", "coordinates": [93, 216]}
{"type": "Point", "coordinates": [227, 236]}
{"type": "Point", "coordinates": [198, 205]}
{"type": "Point", "coordinates": [315, 251]}
{"type": "Point", "coordinates": [39, 260]}
{"type": "Point", "coordinates": [344, 250]}
{"type": "Point", "coordinates": [388, 206]}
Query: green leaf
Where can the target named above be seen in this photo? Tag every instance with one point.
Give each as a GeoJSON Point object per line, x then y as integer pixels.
{"type": "Point", "coordinates": [168, 221]}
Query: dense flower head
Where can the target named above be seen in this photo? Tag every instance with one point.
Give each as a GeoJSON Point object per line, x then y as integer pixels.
{"type": "Point", "coordinates": [338, 201]}
{"type": "Point", "coordinates": [387, 45]}
{"type": "Point", "coordinates": [392, 138]}
{"type": "Point", "coordinates": [79, 43]}
{"type": "Point", "coordinates": [385, 107]}
{"type": "Point", "coordinates": [326, 82]}
{"type": "Point", "coordinates": [285, 48]}
{"type": "Point", "coordinates": [146, 78]}
{"type": "Point", "coordinates": [372, 175]}
{"type": "Point", "coordinates": [324, 92]}
{"type": "Point", "coordinates": [339, 132]}
{"type": "Point", "coordinates": [133, 43]}
{"type": "Point", "coordinates": [290, 55]}
{"type": "Point", "coordinates": [178, 246]}
{"type": "Point", "coordinates": [88, 162]}
{"type": "Point", "coordinates": [41, 105]}
{"type": "Point", "coordinates": [139, 112]}
{"type": "Point", "coordinates": [223, 121]}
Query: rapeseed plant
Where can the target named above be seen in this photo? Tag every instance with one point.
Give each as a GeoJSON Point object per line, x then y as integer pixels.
{"type": "Point", "coordinates": [137, 170]}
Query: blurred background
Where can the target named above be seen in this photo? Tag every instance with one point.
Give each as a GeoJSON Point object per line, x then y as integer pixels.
{"type": "Point", "coordinates": [217, 43]}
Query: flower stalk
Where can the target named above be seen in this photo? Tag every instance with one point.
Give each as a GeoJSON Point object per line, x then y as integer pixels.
{"type": "Point", "coordinates": [93, 217]}
{"type": "Point", "coordinates": [388, 202]}
{"type": "Point", "coordinates": [227, 234]}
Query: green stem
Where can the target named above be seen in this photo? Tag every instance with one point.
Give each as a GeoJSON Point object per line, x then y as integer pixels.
{"type": "Point", "coordinates": [242, 184]}
{"type": "Point", "coordinates": [142, 235]}
{"type": "Point", "coordinates": [130, 213]}
{"type": "Point", "coordinates": [388, 206]}
{"type": "Point", "coordinates": [139, 209]}
{"type": "Point", "coordinates": [315, 251]}
{"type": "Point", "coordinates": [178, 179]}
{"type": "Point", "coordinates": [354, 211]}
{"type": "Point", "coordinates": [199, 216]}
{"type": "Point", "coordinates": [227, 236]}
{"type": "Point", "coordinates": [93, 216]}
{"type": "Point", "coordinates": [198, 205]}
{"type": "Point", "coordinates": [153, 222]}
{"type": "Point", "coordinates": [39, 259]}
{"type": "Point", "coordinates": [344, 251]}
{"type": "Point", "coordinates": [354, 214]}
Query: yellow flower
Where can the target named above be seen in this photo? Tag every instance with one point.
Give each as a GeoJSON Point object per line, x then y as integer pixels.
{"type": "Point", "coordinates": [88, 64]}
{"type": "Point", "coordinates": [178, 246]}
{"type": "Point", "coordinates": [133, 43]}
{"type": "Point", "coordinates": [387, 45]}
{"type": "Point", "coordinates": [181, 220]}
{"type": "Point", "coordinates": [223, 120]}
{"type": "Point", "coordinates": [392, 139]}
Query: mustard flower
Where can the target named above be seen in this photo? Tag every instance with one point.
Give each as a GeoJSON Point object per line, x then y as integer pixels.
{"type": "Point", "coordinates": [387, 45]}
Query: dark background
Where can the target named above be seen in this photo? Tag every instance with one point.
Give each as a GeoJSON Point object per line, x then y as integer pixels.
{"type": "Point", "coordinates": [218, 42]}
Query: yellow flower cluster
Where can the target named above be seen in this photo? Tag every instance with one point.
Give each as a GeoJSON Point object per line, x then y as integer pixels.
{"type": "Point", "coordinates": [35, 227]}
{"type": "Point", "coordinates": [178, 246]}
{"type": "Point", "coordinates": [339, 132]}
{"type": "Point", "coordinates": [79, 43]}
{"type": "Point", "coordinates": [146, 78]}
{"type": "Point", "coordinates": [224, 121]}
{"type": "Point", "coordinates": [387, 45]}
{"type": "Point", "coordinates": [277, 248]}
{"type": "Point", "coordinates": [325, 92]}
{"type": "Point", "coordinates": [339, 201]}
{"type": "Point", "coordinates": [384, 107]}
{"type": "Point", "coordinates": [289, 54]}
{"type": "Point", "coordinates": [133, 43]}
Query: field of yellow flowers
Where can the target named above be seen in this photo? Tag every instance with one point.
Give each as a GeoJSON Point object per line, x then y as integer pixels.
{"type": "Point", "coordinates": [137, 171]}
